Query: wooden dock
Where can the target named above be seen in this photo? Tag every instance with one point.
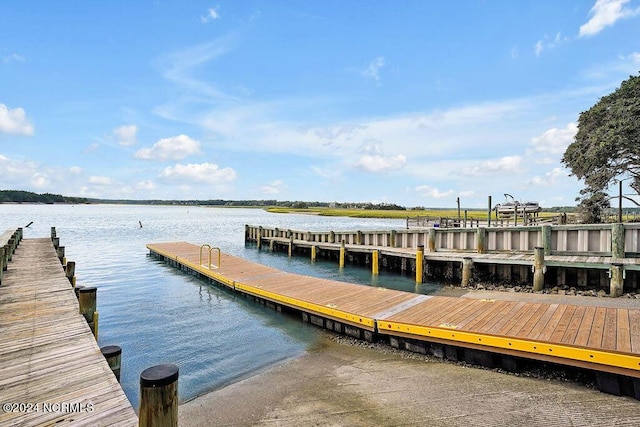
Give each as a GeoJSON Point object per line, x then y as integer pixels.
{"type": "Point", "coordinates": [604, 340]}
{"type": "Point", "coordinates": [51, 368]}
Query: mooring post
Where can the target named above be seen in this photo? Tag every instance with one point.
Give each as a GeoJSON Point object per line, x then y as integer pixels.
{"type": "Point", "coordinates": [489, 209]}
{"type": "Point", "coordinates": [53, 233]}
{"type": "Point", "coordinates": [259, 238]}
{"type": "Point", "coordinates": [159, 396]}
{"type": "Point", "coordinates": [358, 237]}
{"type": "Point", "coordinates": [431, 240]}
{"type": "Point", "coordinates": [617, 240]}
{"type": "Point", "coordinates": [467, 271]}
{"type": "Point", "coordinates": [332, 237]}
{"type": "Point", "coordinates": [465, 219]}
{"type": "Point", "coordinates": [87, 300]}
{"type": "Point", "coordinates": [113, 354]}
{"type": "Point", "coordinates": [392, 239]}
{"type": "Point", "coordinates": [290, 246]}
{"type": "Point", "coordinates": [374, 262]}
{"type": "Point", "coordinates": [246, 233]}
{"type": "Point", "coordinates": [20, 234]}
{"type": "Point", "coordinates": [617, 279]}
{"type": "Point", "coordinates": [11, 248]}
{"type": "Point", "coordinates": [546, 239]}
{"type": "Point", "coordinates": [538, 268]}
{"type": "Point", "coordinates": [313, 253]}
{"type": "Point", "coordinates": [419, 263]}
{"type": "Point", "coordinates": [272, 245]}
{"type": "Point", "coordinates": [70, 272]}
{"type": "Point", "coordinates": [60, 252]}
{"type": "Point", "coordinates": [342, 251]}
{"type": "Point", "coordinates": [3, 259]}
{"type": "Point", "coordinates": [481, 240]}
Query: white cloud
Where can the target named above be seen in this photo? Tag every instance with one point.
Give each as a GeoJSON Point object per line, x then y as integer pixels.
{"type": "Point", "coordinates": [554, 140]}
{"type": "Point", "coordinates": [174, 148]}
{"type": "Point", "coordinates": [507, 164]}
{"type": "Point", "coordinates": [548, 43]}
{"type": "Point", "coordinates": [14, 57]}
{"type": "Point", "coordinates": [211, 15]}
{"type": "Point", "coordinates": [378, 163]}
{"type": "Point", "coordinates": [146, 185]}
{"type": "Point", "coordinates": [126, 135]}
{"type": "Point", "coordinates": [99, 180]}
{"type": "Point", "coordinates": [75, 170]}
{"type": "Point", "coordinates": [373, 70]}
{"type": "Point", "coordinates": [549, 178]}
{"type": "Point", "coordinates": [428, 191]}
{"type": "Point", "coordinates": [208, 173]}
{"type": "Point", "coordinates": [604, 14]}
{"type": "Point", "coordinates": [276, 187]}
{"type": "Point", "coordinates": [14, 121]}
{"type": "Point", "coordinates": [328, 173]}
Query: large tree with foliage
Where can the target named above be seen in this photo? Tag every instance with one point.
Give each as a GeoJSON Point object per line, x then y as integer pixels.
{"type": "Point", "coordinates": [606, 148]}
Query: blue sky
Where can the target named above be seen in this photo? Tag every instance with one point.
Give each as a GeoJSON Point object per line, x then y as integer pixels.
{"type": "Point", "coordinates": [408, 102]}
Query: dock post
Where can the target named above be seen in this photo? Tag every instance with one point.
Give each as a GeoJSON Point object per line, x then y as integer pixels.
{"type": "Point", "coordinates": [431, 240]}
{"type": "Point", "coordinates": [53, 233]}
{"type": "Point", "coordinates": [259, 238]}
{"type": "Point", "coordinates": [159, 396]}
{"type": "Point", "coordinates": [481, 240]}
{"type": "Point", "coordinates": [342, 250]}
{"type": "Point", "coordinates": [489, 209]}
{"type": "Point", "coordinates": [393, 238]}
{"type": "Point", "coordinates": [246, 233]}
{"type": "Point", "coordinates": [56, 242]}
{"type": "Point", "coordinates": [313, 253]}
{"type": "Point", "coordinates": [546, 239]}
{"type": "Point", "coordinates": [70, 272]}
{"type": "Point", "coordinates": [617, 240]}
{"type": "Point", "coordinates": [11, 247]}
{"type": "Point", "coordinates": [465, 219]}
{"type": "Point", "coordinates": [95, 325]}
{"type": "Point", "coordinates": [332, 237]}
{"type": "Point", "coordinates": [3, 259]}
{"type": "Point", "coordinates": [358, 237]}
{"type": "Point", "coordinates": [617, 279]}
{"type": "Point", "coordinates": [538, 269]}
{"type": "Point", "coordinates": [374, 263]}
{"type": "Point", "coordinates": [290, 246]}
{"type": "Point", "coordinates": [113, 354]}
{"type": "Point", "coordinates": [87, 301]}
{"type": "Point", "coordinates": [467, 270]}
{"type": "Point", "coordinates": [419, 263]}
{"type": "Point", "coordinates": [60, 252]}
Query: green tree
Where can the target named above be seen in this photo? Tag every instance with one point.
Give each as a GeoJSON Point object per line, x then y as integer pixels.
{"type": "Point", "coordinates": [606, 148]}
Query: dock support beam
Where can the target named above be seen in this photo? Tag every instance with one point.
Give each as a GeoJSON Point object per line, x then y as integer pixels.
{"type": "Point", "coordinates": [113, 354]}
{"type": "Point", "coordinates": [467, 271]}
{"type": "Point", "coordinates": [617, 240]}
{"type": "Point", "coordinates": [374, 263]}
{"type": "Point", "coordinates": [617, 280]}
{"type": "Point", "coordinates": [342, 251]}
{"type": "Point", "coordinates": [431, 240]}
{"type": "Point", "coordinates": [419, 263]}
{"type": "Point", "coordinates": [159, 396]}
{"type": "Point", "coordinates": [481, 241]}
{"type": "Point", "coordinates": [538, 269]}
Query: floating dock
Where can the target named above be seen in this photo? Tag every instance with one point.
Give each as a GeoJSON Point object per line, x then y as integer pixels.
{"type": "Point", "coordinates": [603, 340]}
{"type": "Point", "coordinates": [52, 371]}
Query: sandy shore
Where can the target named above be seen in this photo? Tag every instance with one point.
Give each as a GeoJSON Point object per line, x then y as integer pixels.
{"type": "Point", "coordinates": [343, 382]}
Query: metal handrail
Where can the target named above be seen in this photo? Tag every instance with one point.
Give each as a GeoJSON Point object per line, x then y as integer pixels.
{"type": "Point", "coordinates": [210, 250]}
{"type": "Point", "coordinates": [202, 247]}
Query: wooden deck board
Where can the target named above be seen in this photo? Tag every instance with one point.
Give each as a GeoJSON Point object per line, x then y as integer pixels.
{"type": "Point", "coordinates": [556, 332]}
{"type": "Point", "coordinates": [47, 352]}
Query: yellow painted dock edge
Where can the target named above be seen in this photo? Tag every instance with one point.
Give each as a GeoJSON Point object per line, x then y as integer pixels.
{"type": "Point", "coordinates": [361, 321]}
{"type": "Point", "coordinates": [566, 352]}
{"type": "Point", "coordinates": [605, 358]}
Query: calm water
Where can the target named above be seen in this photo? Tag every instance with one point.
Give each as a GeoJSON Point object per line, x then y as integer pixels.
{"type": "Point", "coordinates": [160, 315]}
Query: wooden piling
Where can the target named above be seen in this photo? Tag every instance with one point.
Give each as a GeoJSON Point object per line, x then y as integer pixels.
{"type": "Point", "coordinates": [431, 240]}
{"type": "Point", "coordinates": [358, 237]}
{"type": "Point", "coordinates": [419, 263]}
{"type": "Point", "coordinates": [617, 240]}
{"type": "Point", "coordinates": [314, 252]}
{"type": "Point", "coordinates": [538, 269]}
{"type": "Point", "coordinates": [259, 238]}
{"type": "Point", "coordinates": [159, 396]}
{"type": "Point", "coordinates": [374, 262]}
{"type": "Point", "coordinates": [332, 237]}
{"type": "Point", "coordinates": [467, 271]}
{"type": "Point", "coordinates": [60, 251]}
{"type": "Point", "coordinates": [113, 354]}
{"type": "Point", "coordinates": [56, 242]}
{"type": "Point", "coordinates": [617, 280]}
{"type": "Point", "coordinates": [87, 301]}
{"type": "Point", "coordinates": [342, 251]}
{"type": "Point", "coordinates": [481, 240]}
{"type": "Point", "coordinates": [392, 240]}
{"type": "Point", "coordinates": [489, 208]}
{"type": "Point", "coordinates": [290, 250]}
{"type": "Point", "coordinates": [53, 233]}
{"type": "Point", "coordinates": [70, 272]}
{"type": "Point", "coordinates": [546, 239]}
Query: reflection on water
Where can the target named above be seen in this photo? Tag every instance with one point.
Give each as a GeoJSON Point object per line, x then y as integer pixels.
{"type": "Point", "coordinates": [158, 314]}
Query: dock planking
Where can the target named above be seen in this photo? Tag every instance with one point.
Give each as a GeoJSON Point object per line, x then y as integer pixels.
{"type": "Point", "coordinates": [597, 338]}
{"type": "Point", "coordinates": [49, 359]}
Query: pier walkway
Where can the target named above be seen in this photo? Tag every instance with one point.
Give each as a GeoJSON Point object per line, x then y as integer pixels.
{"type": "Point", "coordinates": [601, 339]}
{"type": "Point", "coordinates": [51, 369]}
